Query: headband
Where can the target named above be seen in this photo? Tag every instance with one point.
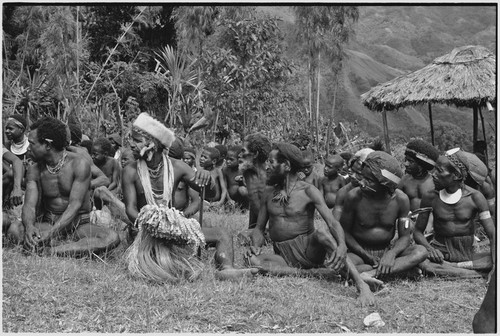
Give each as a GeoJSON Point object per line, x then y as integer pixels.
{"type": "Point", "coordinates": [16, 122]}
{"type": "Point", "coordinates": [456, 162]}
{"type": "Point", "coordinates": [420, 156]}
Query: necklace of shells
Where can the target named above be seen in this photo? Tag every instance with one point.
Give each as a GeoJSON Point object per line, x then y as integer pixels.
{"type": "Point", "coordinates": [55, 169]}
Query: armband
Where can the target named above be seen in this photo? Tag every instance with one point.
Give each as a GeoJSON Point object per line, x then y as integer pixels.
{"type": "Point", "coordinates": [485, 215]}
{"type": "Point", "coordinates": [492, 201]}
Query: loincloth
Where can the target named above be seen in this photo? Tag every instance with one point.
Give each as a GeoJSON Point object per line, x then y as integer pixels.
{"type": "Point", "coordinates": [294, 251]}
{"type": "Point", "coordinates": [378, 253]}
{"type": "Point", "coordinates": [79, 219]}
{"type": "Point", "coordinates": [454, 249]}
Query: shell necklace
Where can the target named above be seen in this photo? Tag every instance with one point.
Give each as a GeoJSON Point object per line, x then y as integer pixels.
{"type": "Point", "coordinates": [283, 196]}
{"type": "Point", "coordinates": [155, 173]}
{"type": "Point", "coordinates": [55, 169]}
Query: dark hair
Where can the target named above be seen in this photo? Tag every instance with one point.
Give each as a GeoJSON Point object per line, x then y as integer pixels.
{"type": "Point", "coordinates": [291, 153]}
{"type": "Point", "coordinates": [19, 118]}
{"type": "Point", "coordinates": [76, 133]}
{"type": "Point", "coordinates": [87, 144]}
{"type": "Point", "coordinates": [214, 153]}
{"type": "Point", "coordinates": [260, 145]}
{"type": "Point", "coordinates": [52, 131]}
{"type": "Point", "coordinates": [425, 148]}
{"type": "Point", "coordinates": [346, 156]}
{"type": "Point", "coordinates": [222, 150]}
{"type": "Point", "coordinates": [105, 145]}
{"type": "Point", "coordinates": [235, 149]}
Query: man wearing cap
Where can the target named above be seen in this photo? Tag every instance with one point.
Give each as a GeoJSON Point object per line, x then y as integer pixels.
{"type": "Point", "coordinates": [150, 182]}
{"type": "Point", "coordinates": [62, 180]}
{"type": "Point", "coordinates": [373, 213]}
{"type": "Point", "coordinates": [302, 247]}
{"type": "Point", "coordinates": [479, 179]}
{"type": "Point", "coordinates": [355, 174]}
{"type": "Point", "coordinates": [455, 206]}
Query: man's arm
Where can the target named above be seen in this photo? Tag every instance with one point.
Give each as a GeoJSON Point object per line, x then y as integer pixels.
{"type": "Point", "coordinates": [196, 179]}
{"type": "Point", "coordinates": [18, 168]}
{"type": "Point", "coordinates": [223, 189]}
{"type": "Point", "coordinates": [257, 235]}
{"type": "Point", "coordinates": [347, 222]}
{"type": "Point", "coordinates": [486, 221]}
{"type": "Point", "coordinates": [115, 178]}
{"type": "Point", "coordinates": [129, 193]}
{"type": "Point", "coordinates": [339, 203]}
{"type": "Point", "coordinates": [28, 215]}
{"type": "Point", "coordinates": [194, 203]}
{"type": "Point", "coordinates": [340, 253]}
{"type": "Point", "coordinates": [79, 189]}
{"type": "Point", "coordinates": [388, 259]}
{"type": "Point", "coordinates": [422, 219]}
{"type": "Point", "coordinates": [99, 179]}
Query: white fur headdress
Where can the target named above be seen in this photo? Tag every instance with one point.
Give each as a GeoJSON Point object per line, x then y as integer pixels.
{"type": "Point", "coordinates": [154, 128]}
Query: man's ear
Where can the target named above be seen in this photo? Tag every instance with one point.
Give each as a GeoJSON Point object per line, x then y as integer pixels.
{"type": "Point", "coordinates": [288, 166]}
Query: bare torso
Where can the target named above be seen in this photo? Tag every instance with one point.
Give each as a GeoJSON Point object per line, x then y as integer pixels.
{"type": "Point", "coordinates": [374, 223]}
{"type": "Point", "coordinates": [415, 189]}
{"type": "Point", "coordinates": [56, 189]}
{"type": "Point", "coordinates": [330, 188]}
{"type": "Point", "coordinates": [297, 218]}
{"type": "Point", "coordinates": [452, 220]}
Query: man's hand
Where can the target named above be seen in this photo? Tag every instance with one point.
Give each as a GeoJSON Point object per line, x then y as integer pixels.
{"type": "Point", "coordinates": [202, 178]}
{"type": "Point", "coordinates": [386, 264]}
{"type": "Point", "coordinates": [435, 255]}
{"type": "Point", "coordinates": [371, 260]}
{"type": "Point", "coordinates": [337, 259]}
{"type": "Point", "coordinates": [31, 236]}
{"type": "Point", "coordinates": [251, 251]}
{"type": "Point", "coordinates": [16, 197]}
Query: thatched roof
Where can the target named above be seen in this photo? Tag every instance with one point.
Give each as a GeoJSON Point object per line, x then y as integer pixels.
{"type": "Point", "coordinates": [464, 77]}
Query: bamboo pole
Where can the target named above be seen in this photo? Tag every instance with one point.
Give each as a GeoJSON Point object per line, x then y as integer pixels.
{"type": "Point", "coordinates": [431, 124]}
{"type": "Point", "coordinates": [475, 125]}
{"type": "Point", "coordinates": [484, 136]}
{"type": "Point", "coordinates": [386, 131]}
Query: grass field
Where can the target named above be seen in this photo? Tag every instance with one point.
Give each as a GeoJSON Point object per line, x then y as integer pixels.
{"type": "Point", "coordinates": [50, 294]}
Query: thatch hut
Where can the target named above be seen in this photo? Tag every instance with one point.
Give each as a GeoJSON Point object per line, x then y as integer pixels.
{"type": "Point", "coordinates": [466, 77]}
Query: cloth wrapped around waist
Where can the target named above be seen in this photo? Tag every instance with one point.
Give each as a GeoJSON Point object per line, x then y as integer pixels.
{"type": "Point", "coordinates": [294, 251]}
{"type": "Point", "coordinates": [80, 219]}
{"type": "Point", "coordinates": [454, 249]}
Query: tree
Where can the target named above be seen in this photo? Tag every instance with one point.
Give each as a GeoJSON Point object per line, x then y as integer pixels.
{"type": "Point", "coordinates": [322, 30]}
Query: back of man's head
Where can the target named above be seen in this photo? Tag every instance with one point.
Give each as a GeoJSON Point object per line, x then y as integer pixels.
{"type": "Point", "coordinates": [51, 130]}
{"type": "Point", "coordinates": [260, 145]}
{"type": "Point", "coordinates": [76, 133]}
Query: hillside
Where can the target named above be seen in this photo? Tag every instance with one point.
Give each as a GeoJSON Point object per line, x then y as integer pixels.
{"type": "Point", "coordinates": [393, 40]}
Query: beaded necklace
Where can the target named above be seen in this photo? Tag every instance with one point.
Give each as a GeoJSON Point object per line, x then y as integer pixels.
{"type": "Point", "coordinates": [54, 170]}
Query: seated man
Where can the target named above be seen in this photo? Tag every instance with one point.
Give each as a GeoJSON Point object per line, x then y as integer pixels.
{"type": "Point", "coordinates": [308, 173]}
{"type": "Point", "coordinates": [236, 189]}
{"type": "Point", "coordinates": [186, 199]}
{"type": "Point", "coordinates": [455, 207]}
{"type": "Point", "coordinates": [252, 160]}
{"type": "Point", "coordinates": [479, 179]}
{"type": "Point", "coordinates": [373, 213]}
{"type": "Point", "coordinates": [420, 157]}
{"type": "Point", "coordinates": [13, 172]}
{"type": "Point", "coordinates": [148, 186]}
{"type": "Point", "coordinates": [208, 160]}
{"type": "Point", "coordinates": [301, 247]}
{"type": "Point", "coordinates": [62, 180]}
{"type": "Point", "coordinates": [330, 184]}
{"type": "Point", "coordinates": [355, 175]}
{"type": "Point", "coordinates": [101, 150]}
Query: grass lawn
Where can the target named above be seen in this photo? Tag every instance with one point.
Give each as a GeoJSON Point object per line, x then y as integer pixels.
{"type": "Point", "coordinates": [50, 294]}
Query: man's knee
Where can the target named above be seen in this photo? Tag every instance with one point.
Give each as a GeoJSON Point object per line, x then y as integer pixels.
{"type": "Point", "coordinates": [419, 252]}
{"type": "Point", "coordinates": [15, 232]}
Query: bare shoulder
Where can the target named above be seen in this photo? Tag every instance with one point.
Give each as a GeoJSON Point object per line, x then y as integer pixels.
{"type": "Point", "coordinates": [130, 170]}
{"type": "Point", "coordinates": [400, 195]}
{"type": "Point", "coordinates": [78, 160]}
{"type": "Point", "coordinates": [354, 194]}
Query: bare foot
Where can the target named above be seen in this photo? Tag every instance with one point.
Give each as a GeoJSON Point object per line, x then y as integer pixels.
{"type": "Point", "coordinates": [374, 283]}
{"type": "Point", "coordinates": [236, 273]}
{"type": "Point", "coordinates": [366, 297]}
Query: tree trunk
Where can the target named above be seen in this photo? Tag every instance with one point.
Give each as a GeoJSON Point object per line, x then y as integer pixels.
{"type": "Point", "coordinates": [330, 121]}
{"type": "Point", "coordinates": [317, 104]}
{"type": "Point", "coordinates": [309, 112]}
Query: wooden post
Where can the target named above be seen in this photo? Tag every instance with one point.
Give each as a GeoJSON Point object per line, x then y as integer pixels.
{"type": "Point", "coordinates": [202, 196]}
{"type": "Point", "coordinates": [431, 123]}
{"type": "Point", "coordinates": [475, 125]}
{"type": "Point", "coordinates": [484, 137]}
{"type": "Point", "coordinates": [386, 132]}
